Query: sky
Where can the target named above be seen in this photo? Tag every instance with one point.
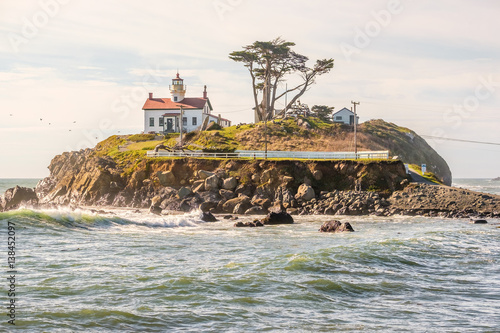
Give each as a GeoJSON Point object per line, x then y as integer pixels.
{"type": "Point", "coordinates": [74, 72]}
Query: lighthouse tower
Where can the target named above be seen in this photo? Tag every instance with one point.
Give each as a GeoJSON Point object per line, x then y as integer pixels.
{"type": "Point", "coordinates": [177, 89]}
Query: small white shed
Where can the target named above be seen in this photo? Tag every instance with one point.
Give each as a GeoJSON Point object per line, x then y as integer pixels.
{"type": "Point", "coordinates": [345, 116]}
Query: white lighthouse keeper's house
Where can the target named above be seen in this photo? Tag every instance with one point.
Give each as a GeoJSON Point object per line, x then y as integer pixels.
{"type": "Point", "coordinates": [162, 115]}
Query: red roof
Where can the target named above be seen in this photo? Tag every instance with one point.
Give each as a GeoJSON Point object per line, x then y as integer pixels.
{"type": "Point", "coordinates": [168, 104]}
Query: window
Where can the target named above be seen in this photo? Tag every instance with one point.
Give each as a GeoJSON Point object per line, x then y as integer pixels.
{"type": "Point", "coordinates": [151, 122]}
{"type": "Point", "coordinates": [161, 121]}
{"type": "Point", "coordinates": [184, 121]}
{"type": "Point", "coordinates": [338, 117]}
{"type": "Point", "coordinates": [175, 98]}
{"type": "Point", "coordinates": [195, 121]}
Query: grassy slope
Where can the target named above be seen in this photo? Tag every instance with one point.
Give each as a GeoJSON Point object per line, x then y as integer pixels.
{"type": "Point", "coordinates": [287, 135]}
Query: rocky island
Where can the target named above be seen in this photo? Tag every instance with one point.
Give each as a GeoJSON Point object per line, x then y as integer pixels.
{"type": "Point", "coordinates": [118, 173]}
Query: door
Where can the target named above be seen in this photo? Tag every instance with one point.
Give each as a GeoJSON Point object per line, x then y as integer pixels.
{"type": "Point", "coordinates": [351, 120]}
{"type": "Point", "coordinates": [170, 125]}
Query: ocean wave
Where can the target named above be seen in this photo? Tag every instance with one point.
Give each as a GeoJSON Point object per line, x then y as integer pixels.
{"type": "Point", "coordinates": [90, 219]}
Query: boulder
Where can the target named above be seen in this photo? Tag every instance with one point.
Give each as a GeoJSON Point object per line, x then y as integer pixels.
{"type": "Point", "coordinates": [277, 207]}
{"type": "Point", "coordinates": [183, 192]}
{"type": "Point", "coordinates": [207, 217]}
{"type": "Point", "coordinates": [221, 173]}
{"type": "Point", "coordinates": [478, 221]}
{"type": "Point", "coordinates": [285, 196]}
{"type": "Point", "coordinates": [136, 179]}
{"type": "Point", "coordinates": [229, 205]}
{"type": "Point", "coordinates": [208, 196]}
{"type": "Point", "coordinates": [226, 194]}
{"type": "Point", "coordinates": [242, 207]}
{"type": "Point", "coordinates": [332, 209]}
{"type": "Point", "coordinates": [207, 206]}
{"type": "Point", "coordinates": [17, 196]}
{"type": "Point", "coordinates": [264, 203]}
{"type": "Point", "coordinates": [305, 193]}
{"type": "Point", "coordinates": [185, 205]}
{"type": "Point", "coordinates": [277, 218]}
{"type": "Point", "coordinates": [317, 174]}
{"type": "Point", "coordinates": [249, 224]}
{"type": "Point", "coordinates": [336, 226]}
{"type": "Point", "coordinates": [199, 187]}
{"type": "Point", "coordinates": [268, 176]}
{"type": "Point", "coordinates": [155, 210]}
{"type": "Point", "coordinates": [156, 201]}
{"type": "Point", "coordinates": [256, 210]}
{"type": "Point", "coordinates": [205, 174]}
{"type": "Point", "coordinates": [245, 189]}
{"type": "Point", "coordinates": [166, 178]}
{"type": "Point", "coordinates": [212, 183]}
{"type": "Point", "coordinates": [230, 183]}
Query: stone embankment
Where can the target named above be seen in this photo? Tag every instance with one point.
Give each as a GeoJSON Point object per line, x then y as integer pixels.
{"type": "Point", "coordinates": [222, 186]}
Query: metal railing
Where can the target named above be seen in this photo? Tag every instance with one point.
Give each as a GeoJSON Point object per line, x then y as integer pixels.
{"type": "Point", "coordinates": [309, 155]}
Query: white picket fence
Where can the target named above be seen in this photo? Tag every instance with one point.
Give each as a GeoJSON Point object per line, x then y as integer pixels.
{"type": "Point", "coordinates": [309, 155]}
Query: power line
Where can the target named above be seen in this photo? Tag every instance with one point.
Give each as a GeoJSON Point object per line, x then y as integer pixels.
{"type": "Point", "coordinates": [460, 140]}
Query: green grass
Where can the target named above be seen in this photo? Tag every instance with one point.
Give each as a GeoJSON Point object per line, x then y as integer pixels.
{"type": "Point", "coordinates": [144, 145]}
{"type": "Point", "coordinates": [428, 175]}
{"type": "Point", "coordinates": [141, 137]}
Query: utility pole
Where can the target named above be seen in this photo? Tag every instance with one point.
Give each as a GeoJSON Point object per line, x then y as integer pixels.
{"type": "Point", "coordinates": [355, 131]}
{"type": "Point", "coordinates": [181, 123]}
{"type": "Point", "coordinates": [268, 101]}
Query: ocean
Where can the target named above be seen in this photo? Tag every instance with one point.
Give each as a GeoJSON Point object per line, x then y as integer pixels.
{"type": "Point", "coordinates": [129, 271]}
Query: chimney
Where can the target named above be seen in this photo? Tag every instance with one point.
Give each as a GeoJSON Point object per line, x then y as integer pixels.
{"type": "Point", "coordinates": [150, 95]}
{"type": "Point", "coordinates": [205, 93]}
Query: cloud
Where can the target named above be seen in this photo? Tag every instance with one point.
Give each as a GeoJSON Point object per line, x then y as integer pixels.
{"type": "Point", "coordinates": [96, 61]}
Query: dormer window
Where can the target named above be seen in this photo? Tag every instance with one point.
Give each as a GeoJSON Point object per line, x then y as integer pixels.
{"type": "Point", "coordinates": [175, 98]}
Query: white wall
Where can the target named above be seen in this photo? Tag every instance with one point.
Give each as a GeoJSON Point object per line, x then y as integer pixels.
{"type": "Point", "coordinates": [156, 114]}
{"type": "Point", "coordinates": [190, 114]}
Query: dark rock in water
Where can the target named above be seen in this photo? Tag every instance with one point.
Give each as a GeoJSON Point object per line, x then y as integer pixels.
{"type": "Point", "coordinates": [496, 179]}
{"type": "Point", "coordinates": [253, 224]}
{"type": "Point", "coordinates": [207, 217]}
{"type": "Point", "coordinates": [17, 196]}
{"type": "Point", "coordinates": [478, 221]}
{"type": "Point", "coordinates": [155, 210]}
{"type": "Point", "coordinates": [228, 217]}
{"type": "Point", "coordinates": [335, 226]}
{"type": "Point", "coordinates": [277, 218]}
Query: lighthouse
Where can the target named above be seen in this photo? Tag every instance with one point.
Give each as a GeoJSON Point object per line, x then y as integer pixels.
{"type": "Point", "coordinates": [171, 115]}
{"type": "Point", "coordinates": [177, 89]}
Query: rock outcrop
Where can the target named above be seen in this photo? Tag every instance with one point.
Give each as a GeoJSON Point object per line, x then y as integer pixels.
{"type": "Point", "coordinates": [428, 200]}
{"type": "Point", "coordinates": [18, 196]}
